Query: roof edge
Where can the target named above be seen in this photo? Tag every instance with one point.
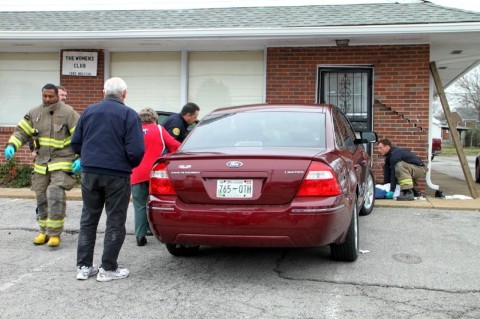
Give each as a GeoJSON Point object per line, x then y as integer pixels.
{"type": "Point", "coordinates": [246, 32]}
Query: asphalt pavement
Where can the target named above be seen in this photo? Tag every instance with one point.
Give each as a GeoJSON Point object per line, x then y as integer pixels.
{"type": "Point", "coordinates": [414, 263]}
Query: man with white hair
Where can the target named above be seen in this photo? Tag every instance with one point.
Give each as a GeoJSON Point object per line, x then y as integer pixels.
{"type": "Point", "coordinates": [109, 141]}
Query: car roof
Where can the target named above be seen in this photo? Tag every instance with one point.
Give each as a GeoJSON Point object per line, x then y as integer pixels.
{"type": "Point", "coordinates": [164, 113]}
{"type": "Point", "coordinates": [275, 107]}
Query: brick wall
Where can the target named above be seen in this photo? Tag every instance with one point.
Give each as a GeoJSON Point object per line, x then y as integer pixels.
{"type": "Point", "coordinates": [85, 90]}
{"type": "Point", "coordinates": [82, 91]}
{"type": "Point", "coordinates": [401, 87]}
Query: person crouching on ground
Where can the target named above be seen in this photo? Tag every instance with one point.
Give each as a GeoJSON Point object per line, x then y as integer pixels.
{"type": "Point", "coordinates": [156, 138]}
{"type": "Point", "coordinates": [402, 167]}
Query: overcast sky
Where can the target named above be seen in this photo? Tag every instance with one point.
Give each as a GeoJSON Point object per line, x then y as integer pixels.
{"type": "Point", "coordinates": [49, 5]}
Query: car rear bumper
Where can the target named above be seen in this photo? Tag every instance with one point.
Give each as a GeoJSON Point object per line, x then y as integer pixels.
{"type": "Point", "coordinates": [271, 226]}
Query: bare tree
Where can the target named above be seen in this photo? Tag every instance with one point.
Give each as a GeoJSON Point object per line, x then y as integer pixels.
{"type": "Point", "coordinates": [469, 85]}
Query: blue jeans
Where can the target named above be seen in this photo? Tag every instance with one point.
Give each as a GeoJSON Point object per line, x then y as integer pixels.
{"type": "Point", "coordinates": [113, 193]}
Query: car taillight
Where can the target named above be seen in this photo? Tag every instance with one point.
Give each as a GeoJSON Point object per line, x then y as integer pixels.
{"type": "Point", "coordinates": [320, 180]}
{"type": "Point", "coordinates": [160, 182]}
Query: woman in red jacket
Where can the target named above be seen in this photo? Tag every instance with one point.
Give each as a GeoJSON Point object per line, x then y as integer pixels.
{"type": "Point", "coordinates": [156, 139]}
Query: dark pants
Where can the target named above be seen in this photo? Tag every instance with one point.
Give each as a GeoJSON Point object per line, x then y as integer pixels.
{"type": "Point", "coordinates": [113, 193]}
{"type": "Point", "coordinates": [140, 197]}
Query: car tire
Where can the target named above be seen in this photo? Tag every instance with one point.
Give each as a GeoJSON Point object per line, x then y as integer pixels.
{"type": "Point", "coordinates": [348, 251]}
{"type": "Point", "coordinates": [477, 171]}
{"type": "Point", "coordinates": [368, 196]}
{"type": "Point", "coordinates": [182, 250]}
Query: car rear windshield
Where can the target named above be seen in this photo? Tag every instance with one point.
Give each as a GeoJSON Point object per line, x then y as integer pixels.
{"type": "Point", "coordinates": [259, 129]}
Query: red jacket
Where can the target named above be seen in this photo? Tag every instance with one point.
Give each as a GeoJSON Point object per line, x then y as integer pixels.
{"type": "Point", "coordinates": [153, 149]}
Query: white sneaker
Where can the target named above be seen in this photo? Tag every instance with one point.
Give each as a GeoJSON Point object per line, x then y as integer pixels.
{"type": "Point", "coordinates": [84, 272]}
{"type": "Point", "coordinates": [107, 275]}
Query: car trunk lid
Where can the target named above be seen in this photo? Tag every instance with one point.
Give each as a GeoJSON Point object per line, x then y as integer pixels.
{"type": "Point", "coordinates": [244, 178]}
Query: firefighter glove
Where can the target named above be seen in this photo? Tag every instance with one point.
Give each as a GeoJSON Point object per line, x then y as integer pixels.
{"type": "Point", "coordinates": [76, 166]}
{"type": "Point", "coordinates": [389, 195]}
{"type": "Point", "coordinates": [9, 152]}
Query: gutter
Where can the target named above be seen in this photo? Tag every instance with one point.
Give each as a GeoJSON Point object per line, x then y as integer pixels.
{"type": "Point", "coordinates": [428, 178]}
{"type": "Point", "coordinates": [421, 30]}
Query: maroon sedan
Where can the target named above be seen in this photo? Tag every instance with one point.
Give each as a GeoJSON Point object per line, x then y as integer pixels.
{"type": "Point", "coordinates": [265, 176]}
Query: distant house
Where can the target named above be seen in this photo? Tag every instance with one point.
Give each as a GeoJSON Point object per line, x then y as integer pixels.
{"type": "Point", "coordinates": [468, 116]}
{"type": "Point", "coordinates": [436, 128]}
{"type": "Point", "coordinates": [465, 119]}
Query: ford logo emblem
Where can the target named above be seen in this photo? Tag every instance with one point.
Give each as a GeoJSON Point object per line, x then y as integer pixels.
{"type": "Point", "coordinates": [234, 164]}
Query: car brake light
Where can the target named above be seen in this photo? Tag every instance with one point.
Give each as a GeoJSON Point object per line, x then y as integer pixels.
{"type": "Point", "coordinates": [320, 180]}
{"type": "Point", "coordinates": [160, 182]}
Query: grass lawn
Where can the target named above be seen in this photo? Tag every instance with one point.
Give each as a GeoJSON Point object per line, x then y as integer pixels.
{"type": "Point", "coordinates": [448, 150]}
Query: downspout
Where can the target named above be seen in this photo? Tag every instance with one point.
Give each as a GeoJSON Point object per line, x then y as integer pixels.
{"type": "Point", "coordinates": [430, 140]}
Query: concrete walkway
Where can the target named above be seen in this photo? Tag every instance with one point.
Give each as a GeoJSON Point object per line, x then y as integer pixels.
{"type": "Point", "coordinates": [449, 186]}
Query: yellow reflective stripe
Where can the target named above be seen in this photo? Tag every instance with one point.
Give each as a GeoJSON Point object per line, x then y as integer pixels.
{"type": "Point", "coordinates": [405, 182]}
{"type": "Point", "coordinates": [67, 141]}
{"type": "Point", "coordinates": [42, 223]}
{"type": "Point", "coordinates": [27, 128]}
{"type": "Point", "coordinates": [55, 223]}
{"type": "Point", "coordinates": [50, 142]}
{"type": "Point", "coordinates": [72, 129]}
{"type": "Point", "coordinates": [15, 141]}
{"type": "Point", "coordinates": [60, 166]}
{"type": "Point", "coordinates": [40, 169]}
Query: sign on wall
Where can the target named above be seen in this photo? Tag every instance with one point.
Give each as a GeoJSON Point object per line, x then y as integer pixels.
{"type": "Point", "coordinates": [80, 63]}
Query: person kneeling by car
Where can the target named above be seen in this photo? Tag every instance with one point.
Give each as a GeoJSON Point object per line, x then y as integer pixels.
{"type": "Point", "coordinates": [402, 167]}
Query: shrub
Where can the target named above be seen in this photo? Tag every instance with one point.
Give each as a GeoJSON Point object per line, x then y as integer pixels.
{"type": "Point", "coordinates": [15, 175]}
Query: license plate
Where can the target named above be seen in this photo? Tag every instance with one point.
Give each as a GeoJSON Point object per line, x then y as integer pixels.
{"type": "Point", "coordinates": [234, 188]}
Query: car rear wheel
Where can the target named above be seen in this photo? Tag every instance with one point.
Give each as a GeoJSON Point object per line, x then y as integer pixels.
{"type": "Point", "coordinates": [182, 250]}
{"type": "Point", "coordinates": [477, 172]}
{"type": "Point", "coordinates": [348, 251]}
{"type": "Point", "coordinates": [369, 196]}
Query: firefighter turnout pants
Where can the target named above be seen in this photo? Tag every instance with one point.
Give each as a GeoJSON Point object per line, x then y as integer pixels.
{"type": "Point", "coordinates": [50, 189]}
{"type": "Point", "coordinates": [408, 174]}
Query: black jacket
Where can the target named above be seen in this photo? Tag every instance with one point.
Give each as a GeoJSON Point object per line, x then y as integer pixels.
{"type": "Point", "coordinates": [176, 126]}
{"type": "Point", "coordinates": [109, 138]}
{"type": "Point", "coordinates": [393, 157]}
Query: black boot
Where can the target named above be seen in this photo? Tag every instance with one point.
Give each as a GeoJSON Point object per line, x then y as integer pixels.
{"type": "Point", "coordinates": [416, 193]}
{"type": "Point", "coordinates": [406, 195]}
{"type": "Point", "coordinates": [141, 241]}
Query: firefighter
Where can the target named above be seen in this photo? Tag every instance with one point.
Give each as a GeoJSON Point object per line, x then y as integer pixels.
{"type": "Point", "coordinates": [401, 167]}
{"type": "Point", "coordinates": [50, 126]}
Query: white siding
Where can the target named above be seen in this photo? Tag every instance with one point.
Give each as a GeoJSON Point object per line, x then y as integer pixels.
{"type": "Point", "coordinates": [22, 76]}
{"type": "Point", "coordinates": [153, 78]}
{"type": "Point", "coordinates": [218, 79]}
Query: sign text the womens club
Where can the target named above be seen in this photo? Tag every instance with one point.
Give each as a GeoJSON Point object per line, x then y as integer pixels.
{"type": "Point", "coordinates": [78, 63]}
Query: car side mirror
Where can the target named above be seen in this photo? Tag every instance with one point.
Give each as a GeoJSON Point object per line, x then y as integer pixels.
{"type": "Point", "coordinates": [366, 137]}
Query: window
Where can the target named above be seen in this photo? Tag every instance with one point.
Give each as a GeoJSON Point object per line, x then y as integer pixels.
{"type": "Point", "coordinates": [350, 89]}
{"type": "Point", "coordinates": [256, 129]}
{"type": "Point", "coordinates": [344, 134]}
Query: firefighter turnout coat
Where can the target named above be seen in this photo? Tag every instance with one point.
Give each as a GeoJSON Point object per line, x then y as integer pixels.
{"type": "Point", "coordinates": [51, 129]}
